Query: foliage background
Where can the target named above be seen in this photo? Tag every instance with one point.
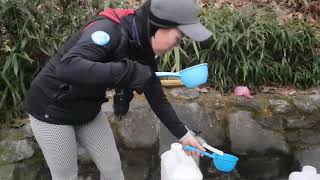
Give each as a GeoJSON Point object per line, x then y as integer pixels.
{"type": "Point", "coordinates": [31, 31]}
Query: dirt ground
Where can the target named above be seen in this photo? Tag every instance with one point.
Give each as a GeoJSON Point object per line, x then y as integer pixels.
{"type": "Point", "coordinates": [308, 10]}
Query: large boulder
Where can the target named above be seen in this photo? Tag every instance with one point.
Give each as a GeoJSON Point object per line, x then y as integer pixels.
{"type": "Point", "coordinates": [305, 104]}
{"type": "Point", "coordinates": [6, 172]}
{"type": "Point", "coordinates": [140, 127]}
{"type": "Point", "coordinates": [279, 105]}
{"type": "Point", "coordinates": [309, 157]}
{"type": "Point", "coordinates": [246, 135]}
{"type": "Point", "coordinates": [14, 151]}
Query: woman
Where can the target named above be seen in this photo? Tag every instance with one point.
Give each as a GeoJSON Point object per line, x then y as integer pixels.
{"type": "Point", "coordinates": [116, 50]}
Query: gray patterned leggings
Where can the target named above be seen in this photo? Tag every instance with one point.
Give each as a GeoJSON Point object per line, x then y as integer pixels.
{"type": "Point", "coordinates": [59, 147]}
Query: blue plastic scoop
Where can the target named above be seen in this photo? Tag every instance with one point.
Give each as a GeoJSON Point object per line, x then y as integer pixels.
{"type": "Point", "coordinates": [191, 77]}
{"type": "Point", "coordinates": [224, 163]}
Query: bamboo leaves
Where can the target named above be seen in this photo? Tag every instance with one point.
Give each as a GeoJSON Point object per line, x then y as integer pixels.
{"type": "Point", "coordinates": [250, 46]}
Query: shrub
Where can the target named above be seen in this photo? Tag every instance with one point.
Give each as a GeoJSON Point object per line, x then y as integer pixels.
{"type": "Point", "coordinates": [31, 31]}
{"type": "Point", "coordinates": [251, 47]}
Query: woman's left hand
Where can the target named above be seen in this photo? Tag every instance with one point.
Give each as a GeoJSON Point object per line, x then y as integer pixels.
{"type": "Point", "coordinates": [191, 141]}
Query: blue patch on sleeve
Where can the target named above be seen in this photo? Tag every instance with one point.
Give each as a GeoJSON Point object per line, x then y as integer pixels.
{"type": "Point", "coordinates": [100, 37]}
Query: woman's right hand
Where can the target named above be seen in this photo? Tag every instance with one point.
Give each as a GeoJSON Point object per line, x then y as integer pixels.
{"type": "Point", "coordinates": [140, 78]}
{"type": "Point", "coordinates": [135, 77]}
{"type": "Point", "coordinates": [190, 140]}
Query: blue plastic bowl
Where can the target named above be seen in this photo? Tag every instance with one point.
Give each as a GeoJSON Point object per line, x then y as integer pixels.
{"type": "Point", "coordinates": [225, 163]}
{"type": "Point", "coordinates": [194, 76]}
{"type": "Point", "coordinates": [191, 77]}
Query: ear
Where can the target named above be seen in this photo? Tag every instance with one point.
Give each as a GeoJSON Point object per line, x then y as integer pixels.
{"type": "Point", "coordinates": [156, 34]}
{"type": "Point", "coordinates": [152, 42]}
{"type": "Point", "coordinates": [152, 39]}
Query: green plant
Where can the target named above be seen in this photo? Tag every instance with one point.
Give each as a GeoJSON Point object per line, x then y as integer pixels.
{"type": "Point", "coordinates": [116, 4]}
{"type": "Point", "coordinates": [180, 57]}
{"type": "Point", "coordinates": [31, 31]}
{"type": "Point", "coordinates": [251, 47]}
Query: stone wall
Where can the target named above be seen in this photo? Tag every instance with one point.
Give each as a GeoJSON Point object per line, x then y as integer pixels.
{"type": "Point", "coordinates": [272, 135]}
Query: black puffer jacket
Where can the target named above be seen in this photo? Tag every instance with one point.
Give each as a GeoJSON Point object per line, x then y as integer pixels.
{"type": "Point", "coordinates": [71, 87]}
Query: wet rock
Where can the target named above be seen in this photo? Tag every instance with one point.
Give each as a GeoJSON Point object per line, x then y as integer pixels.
{"type": "Point", "coordinates": [311, 137]}
{"type": "Point", "coordinates": [212, 125]}
{"type": "Point", "coordinates": [292, 136]}
{"type": "Point", "coordinates": [13, 151]}
{"type": "Point", "coordinates": [247, 135]}
{"type": "Point", "coordinates": [138, 164]}
{"type": "Point", "coordinates": [183, 93]}
{"type": "Point", "coordinates": [213, 113]}
{"type": "Point", "coordinates": [6, 172]}
{"type": "Point", "coordinates": [27, 130]}
{"type": "Point", "coordinates": [13, 134]}
{"type": "Point", "coordinates": [304, 104]}
{"type": "Point", "coordinates": [187, 113]}
{"type": "Point", "coordinates": [155, 174]}
{"type": "Point", "coordinates": [248, 104]}
{"type": "Point", "coordinates": [300, 121]}
{"type": "Point", "coordinates": [263, 167]}
{"type": "Point", "coordinates": [309, 157]}
{"type": "Point", "coordinates": [214, 174]}
{"type": "Point", "coordinates": [272, 122]}
{"type": "Point", "coordinates": [85, 178]}
{"type": "Point", "coordinates": [139, 128]}
{"type": "Point", "coordinates": [257, 128]}
{"type": "Point", "coordinates": [88, 171]}
{"type": "Point", "coordinates": [279, 106]}
{"type": "Point", "coordinates": [31, 169]}
{"type": "Point", "coordinates": [214, 100]}
{"type": "Point", "coordinates": [135, 172]}
{"type": "Point", "coordinates": [316, 99]}
{"type": "Point", "coordinates": [165, 139]}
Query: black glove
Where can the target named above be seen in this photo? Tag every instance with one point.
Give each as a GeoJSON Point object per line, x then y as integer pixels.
{"type": "Point", "coordinates": [136, 76]}
{"type": "Point", "coordinates": [121, 101]}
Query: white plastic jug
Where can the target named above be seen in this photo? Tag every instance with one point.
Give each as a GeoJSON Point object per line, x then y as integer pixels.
{"type": "Point", "coordinates": [176, 165]}
{"type": "Point", "coordinates": [307, 173]}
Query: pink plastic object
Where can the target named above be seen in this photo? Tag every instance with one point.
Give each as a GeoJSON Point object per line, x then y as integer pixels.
{"type": "Point", "coordinates": [242, 91]}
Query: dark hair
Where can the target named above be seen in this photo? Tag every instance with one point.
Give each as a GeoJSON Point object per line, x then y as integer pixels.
{"type": "Point", "coordinates": [154, 20]}
{"type": "Point", "coordinates": [145, 10]}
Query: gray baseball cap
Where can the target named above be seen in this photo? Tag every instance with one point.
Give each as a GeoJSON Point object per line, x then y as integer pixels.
{"type": "Point", "coordinates": [181, 14]}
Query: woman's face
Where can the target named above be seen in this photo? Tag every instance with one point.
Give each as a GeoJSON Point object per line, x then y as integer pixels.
{"type": "Point", "coordinates": [165, 40]}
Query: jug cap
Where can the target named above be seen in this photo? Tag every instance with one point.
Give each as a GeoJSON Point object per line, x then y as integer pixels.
{"type": "Point", "coordinates": [309, 169]}
{"type": "Point", "coordinates": [176, 146]}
